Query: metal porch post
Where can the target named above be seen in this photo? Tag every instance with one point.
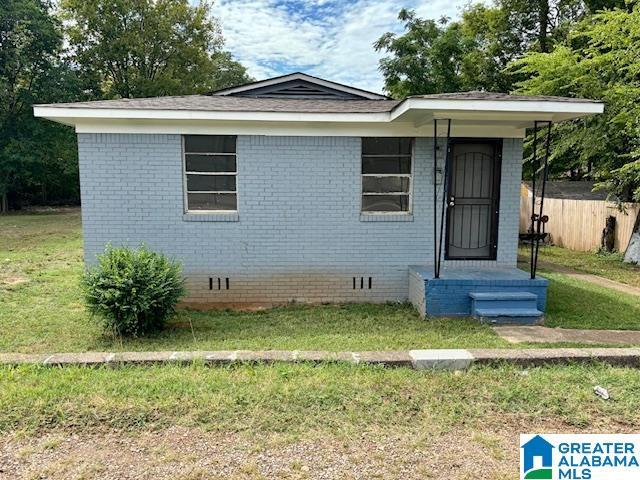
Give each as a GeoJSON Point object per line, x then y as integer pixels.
{"type": "Point", "coordinates": [435, 197]}
{"type": "Point", "coordinates": [445, 182]}
{"type": "Point", "coordinates": [537, 219]}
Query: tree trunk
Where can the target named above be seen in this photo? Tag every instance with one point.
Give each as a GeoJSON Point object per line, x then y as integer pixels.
{"type": "Point", "coordinates": [609, 235]}
{"type": "Point", "coordinates": [543, 21]}
{"type": "Point", "coordinates": [632, 255]}
{"type": "Point", "coordinates": [4, 203]}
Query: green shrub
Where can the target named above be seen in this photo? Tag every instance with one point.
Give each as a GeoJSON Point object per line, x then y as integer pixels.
{"type": "Point", "coordinates": [133, 291]}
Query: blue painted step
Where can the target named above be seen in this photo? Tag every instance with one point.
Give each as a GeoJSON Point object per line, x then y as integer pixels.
{"type": "Point", "coordinates": [503, 300]}
{"type": "Point", "coordinates": [506, 307]}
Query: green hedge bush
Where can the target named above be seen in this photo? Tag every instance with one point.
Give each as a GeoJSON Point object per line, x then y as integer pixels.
{"type": "Point", "coordinates": [133, 291]}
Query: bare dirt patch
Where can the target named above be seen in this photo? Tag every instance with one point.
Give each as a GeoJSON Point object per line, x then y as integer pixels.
{"type": "Point", "coordinates": [12, 280]}
{"type": "Point", "coordinates": [193, 454]}
{"type": "Point", "coordinates": [235, 306]}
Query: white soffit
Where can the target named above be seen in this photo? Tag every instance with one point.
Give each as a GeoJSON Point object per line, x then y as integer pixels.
{"type": "Point", "coordinates": [386, 129]}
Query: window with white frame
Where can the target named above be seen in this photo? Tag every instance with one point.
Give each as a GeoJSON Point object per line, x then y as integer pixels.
{"type": "Point", "coordinates": [386, 175]}
{"type": "Point", "coordinates": [210, 173]}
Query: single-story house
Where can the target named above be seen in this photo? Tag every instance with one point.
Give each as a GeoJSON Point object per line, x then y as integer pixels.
{"type": "Point", "coordinates": [299, 189]}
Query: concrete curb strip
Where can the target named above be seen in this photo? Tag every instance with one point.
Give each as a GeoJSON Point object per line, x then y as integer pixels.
{"type": "Point", "coordinates": [457, 359]}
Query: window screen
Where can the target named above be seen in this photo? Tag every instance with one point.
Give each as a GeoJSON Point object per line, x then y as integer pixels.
{"type": "Point", "coordinates": [210, 172]}
{"type": "Point", "coordinates": [386, 174]}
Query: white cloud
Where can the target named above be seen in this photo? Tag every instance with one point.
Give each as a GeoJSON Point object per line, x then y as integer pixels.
{"type": "Point", "coordinates": [332, 39]}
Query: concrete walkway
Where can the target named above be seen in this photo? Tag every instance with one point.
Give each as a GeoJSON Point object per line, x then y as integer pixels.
{"type": "Point", "coordinates": [539, 334]}
{"type": "Point", "coordinates": [457, 359]}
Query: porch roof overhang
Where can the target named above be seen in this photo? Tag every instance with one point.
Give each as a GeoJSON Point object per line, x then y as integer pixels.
{"type": "Point", "coordinates": [514, 113]}
{"type": "Point", "coordinates": [471, 117]}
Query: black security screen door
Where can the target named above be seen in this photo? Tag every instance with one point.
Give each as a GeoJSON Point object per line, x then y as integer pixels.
{"type": "Point", "coordinates": [473, 198]}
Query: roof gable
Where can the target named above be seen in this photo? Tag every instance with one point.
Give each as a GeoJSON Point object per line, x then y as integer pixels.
{"type": "Point", "coordinates": [298, 89]}
{"type": "Point", "coordinates": [301, 86]}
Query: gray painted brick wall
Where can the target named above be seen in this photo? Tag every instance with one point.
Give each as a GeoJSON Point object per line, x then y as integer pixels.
{"type": "Point", "coordinates": [298, 234]}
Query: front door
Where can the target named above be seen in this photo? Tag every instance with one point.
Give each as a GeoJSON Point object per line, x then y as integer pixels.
{"type": "Point", "coordinates": [473, 199]}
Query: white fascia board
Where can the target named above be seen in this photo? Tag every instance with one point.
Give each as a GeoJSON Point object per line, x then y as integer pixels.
{"type": "Point", "coordinates": [520, 106]}
{"type": "Point", "coordinates": [302, 76]}
{"type": "Point", "coordinates": [59, 113]}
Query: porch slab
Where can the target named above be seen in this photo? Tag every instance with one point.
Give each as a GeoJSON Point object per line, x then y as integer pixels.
{"type": "Point", "coordinates": [467, 274]}
{"type": "Point", "coordinates": [449, 295]}
{"type": "Point", "coordinates": [538, 334]}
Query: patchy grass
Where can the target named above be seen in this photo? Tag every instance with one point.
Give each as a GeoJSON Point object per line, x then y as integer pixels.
{"type": "Point", "coordinates": [573, 303]}
{"type": "Point", "coordinates": [335, 405]}
{"type": "Point", "coordinates": [576, 304]}
{"type": "Point", "coordinates": [45, 313]}
{"type": "Point", "coordinates": [604, 265]}
{"type": "Point", "coordinates": [295, 399]}
{"type": "Point", "coordinates": [44, 310]}
{"type": "Point", "coordinates": [41, 309]}
{"type": "Point", "coordinates": [326, 327]}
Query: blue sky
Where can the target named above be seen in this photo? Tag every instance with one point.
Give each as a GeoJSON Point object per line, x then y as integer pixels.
{"type": "Point", "coordinates": [328, 38]}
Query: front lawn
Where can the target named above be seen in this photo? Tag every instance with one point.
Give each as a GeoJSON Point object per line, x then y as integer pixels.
{"type": "Point", "coordinates": [41, 309]}
{"type": "Point", "coordinates": [574, 303]}
{"type": "Point", "coordinates": [295, 421]}
{"type": "Point", "coordinates": [607, 265]}
{"type": "Point", "coordinates": [299, 398]}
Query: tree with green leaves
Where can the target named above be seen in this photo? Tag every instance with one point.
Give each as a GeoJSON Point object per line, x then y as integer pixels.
{"type": "Point", "coordinates": [143, 48]}
{"type": "Point", "coordinates": [37, 158]}
{"type": "Point", "coordinates": [597, 5]}
{"type": "Point", "coordinates": [539, 24]}
{"type": "Point", "coordinates": [493, 45]}
{"type": "Point", "coordinates": [426, 59]}
{"type": "Point", "coordinates": [474, 52]}
{"type": "Point", "coordinates": [443, 56]}
{"type": "Point", "coordinates": [117, 48]}
{"type": "Point", "coordinates": [599, 60]}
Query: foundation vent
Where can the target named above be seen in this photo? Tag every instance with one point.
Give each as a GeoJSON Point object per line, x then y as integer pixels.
{"type": "Point", "coordinates": [362, 283]}
{"type": "Point", "coordinates": [219, 283]}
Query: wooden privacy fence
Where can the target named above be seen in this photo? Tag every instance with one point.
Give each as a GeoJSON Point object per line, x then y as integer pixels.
{"type": "Point", "coordinates": [578, 224]}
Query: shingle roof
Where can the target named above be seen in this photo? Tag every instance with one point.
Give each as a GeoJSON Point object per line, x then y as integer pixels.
{"type": "Point", "coordinates": [570, 190]}
{"type": "Point", "coordinates": [238, 104]}
{"type": "Point", "coordinates": [224, 103]}
{"type": "Point", "coordinates": [477, 95]}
